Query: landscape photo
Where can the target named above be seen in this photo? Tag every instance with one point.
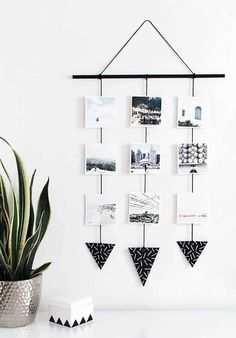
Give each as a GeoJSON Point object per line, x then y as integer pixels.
{"type": "Point", "coordinates": [190, 112]}
{"type": "Point", "coordinates": [145, 111]}
{"type": "Point", "coordinates": [100, 159]}
{"type": "Point", "coordinates": [100, 111]}
{"type": "Point", "coordinates": [100, 209]}
{"type": "Point", "coordinates": [144, 158]}
{"type": "Point", "coordinates": [144, 208]}
{"type": "Point", "coordinates": [192, 208]}
{"type": "Point", "coordinates": [192, 158]}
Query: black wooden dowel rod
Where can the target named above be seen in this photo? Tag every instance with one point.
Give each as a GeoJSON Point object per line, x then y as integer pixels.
{"type": "Point", "coordinates": [144, 76]}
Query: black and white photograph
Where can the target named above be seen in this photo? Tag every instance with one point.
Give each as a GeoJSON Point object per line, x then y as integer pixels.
{"type": "Point", "coordinates": [192, 208]}
{"type": "Point", "coordinates": [100, 159]}
{"type": "Point", "coordinates": [146, 111]}
{"type": "Point", "coordinates": [100, 111]}
{"type": "Point", "coordinates": [190, 112]}
{"type": "Point", "coordinates": [144, 158]}
{"type": "Point", "coordinates": [100, 209]}
{"type": "Point", "coordinates": [144, 208]}
{"type": "Point", "coordinates": [192, 158]}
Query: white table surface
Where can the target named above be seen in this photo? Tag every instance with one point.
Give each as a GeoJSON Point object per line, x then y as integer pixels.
{"type": "Point", "coordinates": [136, 324]}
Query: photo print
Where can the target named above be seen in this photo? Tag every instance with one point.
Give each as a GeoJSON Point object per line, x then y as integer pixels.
{"type": "Point", "coordinates": [191, 112]}
{"type": "Point", "coordinates": [145, 111]}
{"type": "Point", "coordinates": [100, 159]}
{"type": "Point", "coordinates": [144, 208]}
{"type": "Point", "coordinates": [100, 209]}
{"type": "Point", "coordinates": [192, 158]}
{"type": "Point", "coordinates": [100, 112]}
{"type": "Point", "coordinates": [192, 208]}
{"type": "Point", "coordinates": [144, 158]}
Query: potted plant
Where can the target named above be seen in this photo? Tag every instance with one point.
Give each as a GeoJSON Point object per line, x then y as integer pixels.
{"type": "Point", "coordinates": [21, 232]}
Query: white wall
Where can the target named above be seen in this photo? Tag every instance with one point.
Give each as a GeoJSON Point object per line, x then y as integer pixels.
{"type": "Point", "coordinates": [42, 44]}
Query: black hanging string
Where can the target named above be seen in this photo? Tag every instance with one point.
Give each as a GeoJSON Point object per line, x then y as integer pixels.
{"type": "Point", "coordinates": [101, 177]}
{"type": "Point", "coordinates": [131, 37]}
{"type": "Point", "coordinates": [145, 174]}
{"type": "Point", "coordinates": [192, 138]}
{"type": "Point", "coordinates": [100, 233]}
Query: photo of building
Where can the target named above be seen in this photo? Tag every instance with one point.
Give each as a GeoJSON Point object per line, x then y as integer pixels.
{"type": "Point", "coordinates": [144, 208]}
{"type": "Point", "coordinates": [144, 158]}
{"type": "Point", "coordinates": [146, 111]}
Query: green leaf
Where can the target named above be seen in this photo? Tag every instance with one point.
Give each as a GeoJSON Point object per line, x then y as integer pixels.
{"type": "Point", "coordinates": [4, 266]}
{"type": "Point", "coordinates": [4, 194]}
{"type": "Point", "coordinates": [43, 208]}
{"type": "Point", "coordinates": [39, 270]}
{"type": "Point", "coordinates": [24, 200]}
{"type": "Point", "coordinates": [4, 214]}
{"type": "Point", "coordinates": [31, 217]}
{"type": "Point", "coordinates": [29, 245]}
{"type": "Point", "coordinates": [13, 235]}
{"type": "Point", "coordinates": [4, 224]}
{"type": "Point", "coordinates": [42, 220]}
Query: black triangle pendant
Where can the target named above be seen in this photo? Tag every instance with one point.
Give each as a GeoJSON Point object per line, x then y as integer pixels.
{"type": "Point", "coordinates": [100, 252]}
{"type": "Point", "coordinates": [143, 259]}
{"type": "Point", "coordinates": [192, 250]}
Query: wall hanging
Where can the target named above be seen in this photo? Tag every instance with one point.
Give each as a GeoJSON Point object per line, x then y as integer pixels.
{"type": "Point", "coordinates": [100, 159]}
{"type": "Point", "coordinates": [145, 160]}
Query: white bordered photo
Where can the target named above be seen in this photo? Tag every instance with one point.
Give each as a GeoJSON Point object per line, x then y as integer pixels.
{"type": "Point", "coordinates": [191, 112]}
{"type": "Point", "coordinates": [100, 209]}
{"type": "Point", "coordinates": [144, 158]}
{"type": "Point", "coordinates": [100, 111]}
{"type": "Point", "coordinates": [192, 208]}
{"type": "Point", "coordinates": [144, 208]}
{"type": "Point", "coordinates": [192, 158]}
{"type": "Point", "coordinates": [100, 159]}
{"type": "Point", "coordinates": [145, 111]}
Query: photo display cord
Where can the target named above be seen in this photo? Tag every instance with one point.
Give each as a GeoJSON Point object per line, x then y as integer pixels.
{"type": "Point", "coordinates": [101, 177]}
{"type": "Point", "coordinates": [145, 174]}
{"type": "Point", "coordinates": [192, 138]}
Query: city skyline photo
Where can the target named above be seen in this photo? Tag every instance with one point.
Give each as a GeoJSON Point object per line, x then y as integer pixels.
{"type": "Point", "coordinates": [144, 158]}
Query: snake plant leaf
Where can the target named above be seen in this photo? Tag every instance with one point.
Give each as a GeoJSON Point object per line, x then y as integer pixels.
{"type": "Point", "coordinates": [13, 235]}
{"type": "Point", "coordinates": [5, 268]}
{"type": "Point", "coordinates": [42, 220]}
{"type": "Point", "coordinates": [43, 209]}
{"type": "Point", "coordinates": [4, 213]}
{"type": "Point", "coordinates": [20, 231]}
{"type": "Point", "coordinates": [23, 200]}
{"type": "Point", "coordinates": [39, 270]}
{"type": "Point", "coordinates": [31, 217]}
{"type": "Point", "coordinates": [4, 223]}
{"type": "Point", "coordinates": [29, 245]}
{"type": "Point", "coordinates": [3, 193]}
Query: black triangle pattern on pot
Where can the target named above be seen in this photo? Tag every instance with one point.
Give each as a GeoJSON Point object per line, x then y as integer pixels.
{"type": "Point", "coordinates": [67, 323]}
{"type": "Point", "coordinates": [143, 259]}
{"type": "Point", "coordinates": [192, 250]}
{"type": "Point", "coordinates": [100, 252]}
